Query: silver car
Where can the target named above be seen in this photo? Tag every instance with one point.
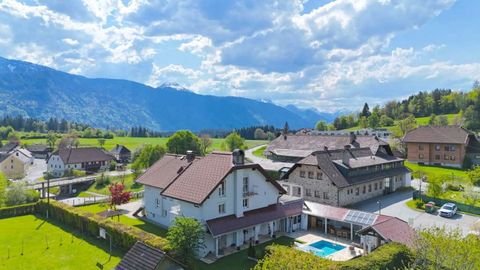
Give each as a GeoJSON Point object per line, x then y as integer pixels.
{"type": "Point", "coordinates": [448, 210]}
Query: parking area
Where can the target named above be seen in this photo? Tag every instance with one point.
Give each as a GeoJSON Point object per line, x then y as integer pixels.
{"type": "Point", "coordinates": [394, 205]}
{"type": "Point", "coordinates": [36, 170]}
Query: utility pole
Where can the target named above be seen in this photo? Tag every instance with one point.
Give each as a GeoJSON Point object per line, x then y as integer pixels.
{"type": "Point", "coordinates": [48, 194]}
{"type": "Point", "coordinates": [379, 207]}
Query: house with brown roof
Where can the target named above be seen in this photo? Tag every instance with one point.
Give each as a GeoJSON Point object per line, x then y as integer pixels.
{"type": "Point", "coordinates": [292, 148]}
{"type": "Point", "coordinates": [88, 159]}
{"type": "Point", "coordinates": [236, 201]}
{"type": "Point", "coordinates": [346, 176]}
{"type": "Point", "coordinates": [442, 145]}
{"type": "Point", "coordinates": [121, 154]}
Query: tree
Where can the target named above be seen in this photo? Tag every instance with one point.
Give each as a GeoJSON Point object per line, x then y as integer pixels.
{"type": "Point", "coordinates": [363, 122]}
{"type": "Point", "coordinates": [433, 120]}
{"type": "Point", "coordinates": [13, 137]}
{"type": "Point", "coordinates": [51, 139]}
{"type": "Point", "coordinates": [69, 140]}
{"type": "Point", "coordinates": [442, 120]}
{"type": "Point", "coordinates": [18, 193]}
{"type": "Point", "coordinates": [435, 186]}
{"type": "Point", "coordinates": [404, 126]}
{"type": "Point", "coordinates": [186, 237]}
{"type": "Point", "coordinates": [386, 121]}
{"type": "Point", "coordinates": [474, 175]}
{"type": "Point", "coordinates": [373, 120]}
{"type": "Point", "coordinates": [118, 195]}
{"type": "Point", "coordinates": [182, 141]}
{"type": "Point", "coordinates": [365, 111]}
{"type": "Point", "coordinates": [321, 125]}
{"type": "Point", "coordinates": [146, 157]}
{"type": "Point", "coordinates": [234, 141]}
{"type": "Point", "coordinates": [259, 134]}
{"type": "Point", "coordinates": [101, 142]}
{"type": "Point", "coordinates": [205, 143]}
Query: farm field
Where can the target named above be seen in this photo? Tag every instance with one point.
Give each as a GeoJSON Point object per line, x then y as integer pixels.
{"type": "Point", "coordinates": [134, 142]}
{"type": "Point", "coordinates": [50, 246]}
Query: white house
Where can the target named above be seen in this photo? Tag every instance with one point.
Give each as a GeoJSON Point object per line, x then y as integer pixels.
{"type": "Point", "coordinates": [15, 164]}
{"type": "Point", "coordinates": [89, 159]}
{"type": "Point", "coordinates": [238, 203]}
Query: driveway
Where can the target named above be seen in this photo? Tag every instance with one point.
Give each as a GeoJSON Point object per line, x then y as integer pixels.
{"type": "Point", "coordinates": [36, 170]}
{"type": "Point", "coordinates": [267, 164]}
{"type": "Point", "coordinates": [394, 205]}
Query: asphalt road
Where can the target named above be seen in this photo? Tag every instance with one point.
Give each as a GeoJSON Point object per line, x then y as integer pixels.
{"type": "Point", "coordinates": [394, 205]}
{"type": "Point", "coordinates": [36, 170]}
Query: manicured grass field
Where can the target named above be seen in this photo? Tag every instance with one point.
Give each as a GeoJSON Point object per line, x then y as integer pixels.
{"type": "Point", "coordinates": [134, 142]}
{"type": "Point", "coordinates": [50, 246]}
{"type": "Point", "coordinates": [423, 121]}
{"type": "Point", "coordinates": [431, 171]}
{"type": "Point", "coordinates": [146, 226]}
{"type": "Point", "coordinates": [239, 260]}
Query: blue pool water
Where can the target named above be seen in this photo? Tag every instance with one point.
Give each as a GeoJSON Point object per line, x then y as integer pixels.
{"type": "Point", "coordinates": [323, 248]}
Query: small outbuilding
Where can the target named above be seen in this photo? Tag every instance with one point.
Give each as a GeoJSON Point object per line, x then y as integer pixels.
{"type": "Point", "coordinates": [142, 256]}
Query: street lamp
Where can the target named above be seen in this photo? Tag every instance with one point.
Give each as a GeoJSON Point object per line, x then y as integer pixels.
{"type": "Point", "coordinates": [379, 207]}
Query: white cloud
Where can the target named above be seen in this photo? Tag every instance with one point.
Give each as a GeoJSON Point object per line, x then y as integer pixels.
{"type": "Point", "coordinates": [5, 34]}
{"type": "Point", "coordinates": [171, 73]}
{"type": "Point", "coordinates": [69, 41]}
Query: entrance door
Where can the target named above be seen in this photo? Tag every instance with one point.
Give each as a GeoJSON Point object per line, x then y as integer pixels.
{"type": "Point", "coordinates": [222, 242]}
{"type": "Point", "coordinates": [388, 184]}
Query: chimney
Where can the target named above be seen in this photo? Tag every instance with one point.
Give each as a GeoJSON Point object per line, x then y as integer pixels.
{"type": "Point", "coordinates": [353, 137]}
{"type": "Point", "coordinates": [190, 156]}
{"type": "Point", "coordinates": [238, 157]}
{"type": "Point", "coordinates": [346, 155]}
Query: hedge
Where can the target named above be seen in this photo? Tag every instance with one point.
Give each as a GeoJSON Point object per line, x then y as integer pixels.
{"type": "Point", "coordinates": [389, 256]}
{"type": "Point", "coordinates": [123, 236]}
{"type": "Point", "coordinates": [18, 210]}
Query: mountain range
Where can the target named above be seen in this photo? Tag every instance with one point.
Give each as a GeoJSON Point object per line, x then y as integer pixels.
{"type": "Point", "coordinates": [41, 92]}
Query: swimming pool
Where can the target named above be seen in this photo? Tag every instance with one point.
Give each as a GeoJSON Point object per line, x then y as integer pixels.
{"type": "Point", "coordinates": [323, 248]}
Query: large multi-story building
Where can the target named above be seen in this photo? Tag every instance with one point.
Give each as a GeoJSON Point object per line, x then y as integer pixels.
{"type": "Point", "coordinates": [238, 203]}
{"type": "Point", "coordinates": [442, 145]}
{"type": "Point", "coordinates": [88, 159]}
{"type": "Point", "coordinates": [346, 176]}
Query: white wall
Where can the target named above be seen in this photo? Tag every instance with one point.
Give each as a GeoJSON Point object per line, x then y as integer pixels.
{"type": "Point", "coordinates": [55, 165]}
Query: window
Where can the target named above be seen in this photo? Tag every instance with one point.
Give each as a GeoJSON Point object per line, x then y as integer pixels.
{"type": "Point", "coordinates": [420, 147]}
{"type": "Point", "coordinates": [245, 203]}
{"type": "Point", "coordinates": [450, 148]}
{"type": "Point", "coordinates": [11, 167]}
{"type": "Point", "coordinates": [157, 202]}
{"type": "Point", "coordinates": [357, 191]}
{"type": "Point", "coordinates": [245, 184]}
{"type": "Point", "coordinates": [297, 191]}
{"type": "Point", "coordinates": [420, 156]}
{"type": "Point", "coordinates": [452, 157]}
{"type": "Point", "coordinates": [446, 157]}
{"type": "Point", "coordinates": [437, 147]}
{"type": "Point", "coordinates": [325, 195]}
{"type": "Point", "coordinates": [164, 213]}
{"type": "Point", "coordinates": [364, 189]}
{"type": "Point", "coordinates": [381, 185]}
{"type": "Point", "coordinates": [375, 186]}
{"type": "Point", "coordinates": [308, 192]}
{"type": "Point", "coordinates": [319, 175]}
{"type": "Point", "coordinates": [317, 194]}
{"type": "Point", "coordinates": [310, 175]}
{"type": "Point", "coordinates": [369, 187]}
{"type": "Point", "coordinates": [302, 174]}
{"type": "Point", "coordinates": [221, 189]}
{"type": "Point", "coordinates": [221, 208]}
{"type": "Point", "coordinates": [437, 157]}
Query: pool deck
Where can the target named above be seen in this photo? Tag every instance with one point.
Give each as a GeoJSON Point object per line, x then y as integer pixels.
{"type": "Point", "coordinates": [309, 237]}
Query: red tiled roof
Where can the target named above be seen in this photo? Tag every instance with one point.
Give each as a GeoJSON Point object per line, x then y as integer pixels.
{"type": "Point", "coordinates": [273, 212]}
{"type": "Point", "coordinates": [82, 154]}
{"type": "Point", "coordinates": [164, 171]}
{"type": "Point", "coordinates": [438, 134]}
{"type": "Point", "coordinates": [393, 229]}
{"type": "Point", "coordinates": [198, 180]}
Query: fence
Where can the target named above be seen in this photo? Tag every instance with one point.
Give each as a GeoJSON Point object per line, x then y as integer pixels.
{"type": "Point", "coordinates": [79, 201]}
{"type": "Point", "coordinates": [18, 210]}
{"type": "Point", "coordinates": [461, 206]}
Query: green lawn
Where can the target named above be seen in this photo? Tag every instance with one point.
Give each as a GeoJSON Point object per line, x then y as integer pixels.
{"type": "Point", "coordinates": [423, 121]}
{"type": "Point", "coordinates": [430, 171]}
{"type": "Point", "coordinates": [134, 142]}
{"type": "Point", "coordinates": [239, 260]}
{"type": "Point", "coordinates": [259, 152]}
{"type": "Point", "coordinates": [65, 250]}
{"type": "Point", "coordinates": [146, 226]}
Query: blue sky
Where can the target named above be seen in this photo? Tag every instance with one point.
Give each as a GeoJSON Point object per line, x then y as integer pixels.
{"type": "Point", "coordinates": [329, 55]}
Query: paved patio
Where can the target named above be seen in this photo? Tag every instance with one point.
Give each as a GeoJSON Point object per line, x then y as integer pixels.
{"type": "Point", "coordinates": [309, 237]}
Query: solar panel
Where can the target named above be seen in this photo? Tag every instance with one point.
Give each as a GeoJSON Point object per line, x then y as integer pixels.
{"type": "Point", "coordinates": [360, 217]}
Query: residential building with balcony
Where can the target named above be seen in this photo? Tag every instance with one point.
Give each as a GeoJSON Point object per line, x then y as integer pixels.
{"type": "Point", "coordinates": [443, 146]}
{"type": "Point", "coordinates": [237, 202]}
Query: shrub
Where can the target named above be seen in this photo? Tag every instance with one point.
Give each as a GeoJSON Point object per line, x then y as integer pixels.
{"type": "Point", "coordinates": [454, 187]}
{"type": "Point", "coordinates": [389, 256]}
{"type": "Point", "coordinates": [102, 181]}
{"type": "Point", "coordinates": [18, 210]}
{"type": "Point", "coordinates": [123, 236]}
{"type": "Point", "coordinates": [419, 204]}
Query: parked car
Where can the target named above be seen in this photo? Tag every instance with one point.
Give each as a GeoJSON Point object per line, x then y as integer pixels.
{"type": "Point", "coordinates": [448, 210]}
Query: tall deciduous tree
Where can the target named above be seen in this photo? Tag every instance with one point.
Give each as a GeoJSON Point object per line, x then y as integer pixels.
{"type": "Point", "coordinates": [51, 139]}
{"type": "Point", "coordinates": [234, 141]}
{"type": "Point", "coordinates": [186, 237]}
{"type": "Point", "coordinates": [205, 143]}
{"type": "Point", "coordinates": [182, 141]}
{"type": "Point", "coordinates": [321, 125]}
{"type": "Point", "coordinates": [146, 156]}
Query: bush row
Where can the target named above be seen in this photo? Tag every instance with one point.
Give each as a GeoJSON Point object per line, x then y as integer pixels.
{"type": "Point", "coordinates": [18, 210]}
{"type": "Point", "coordinates": [123, 236]}
{"type": "Point", "coordinates": [389, 256]}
